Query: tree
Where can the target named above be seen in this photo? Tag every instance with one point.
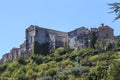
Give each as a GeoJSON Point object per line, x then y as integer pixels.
{"type": "Point", "coordinates": [93, 40]}
{"type": "Point", "coordinates": [20, 73]}
{"type": "Point", "coordinates": [31, 74]}
{"type": "Point", "coordinates": [110, 46]}
{"type": "Point", "coordinates": [40, 48]}
{"type": "Point", "coordinates": [21, 60]}
{"type": "Point", "coordinates": [3, 68]}
{"type": "Point", "coordinates": [115, 9]}
{"type": "Point", "coordinates": [59, 51]}
{"type": "Point", "coordinates": [114, 70]}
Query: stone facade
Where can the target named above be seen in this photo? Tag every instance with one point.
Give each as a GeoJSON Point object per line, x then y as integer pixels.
{"type": "Point", "coordinates": [78, 38]}
{"type": "Point", "coordinates": [104, 32]}
{"type": "Point", "coordinates": [42, 35]}
{"type": "Point", "coordinates": [14, 53]}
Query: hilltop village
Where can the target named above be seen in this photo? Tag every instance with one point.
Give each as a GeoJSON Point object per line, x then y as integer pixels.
{"type": "Point", "coordinates": [77, 39]}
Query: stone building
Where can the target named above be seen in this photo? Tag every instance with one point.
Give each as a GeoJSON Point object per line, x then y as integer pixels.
{"type": "Point", "coordinates": [4, 58]}
{"type": "Point", "coordinates": [12, 55]}
{"type": "Point", "coordinates": [42, 35]}
{"type": "Point", "coordinates": [78, 38]}
{"type": "Point", "coordinates": [104, 32]}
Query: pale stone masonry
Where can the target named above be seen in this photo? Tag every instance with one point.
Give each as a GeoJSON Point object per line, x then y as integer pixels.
{"type": "Point", "coordinates": [78, 38]}
{"type": "Point", "coordinates": [104, 32]}
{"type": "Point", "coordinates": [42, 35]}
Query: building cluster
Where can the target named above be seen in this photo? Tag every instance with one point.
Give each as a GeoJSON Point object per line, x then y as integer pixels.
{"type": "Point", "coordinates": [78, 38]}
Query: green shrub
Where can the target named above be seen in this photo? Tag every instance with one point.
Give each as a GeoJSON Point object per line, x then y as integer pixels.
{"type": "Point", "coordinates": [21, 60]}
{"type": "Point", "coordinates": [59, 51]}
{"type": "Point", "coordinates": [3, 68]}
{"type": "Point", "coordinates": [78, 71]}
{"type": "Point", "coordinates": [6, 74]}
{"type": "Point", "coordinates": [93, 58]}
{"type": "Point", "coordinates": [65, 63]}
{"type": "Point", "coordinates": [107, 55]}
{"type": "Point", "coordinates": [45, 78]}
{"type": "Point", "coordinates": [61, 77]}
{"type": "Point", "coordinates": [41, 48]}
{"type": "Point", "coordinates": [38, 59]}
{"type": "Point", "coordinates": [114, 71]}
{"type": "Point", "coordinates": [51, 72]}
{"type": "Point", "coordinates": [13, 66]}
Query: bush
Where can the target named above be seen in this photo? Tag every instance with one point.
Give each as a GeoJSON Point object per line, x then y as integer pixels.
{"type": "Point", "coordinates": [59, 51]}
{"type": "Point", "coordinates": [21, 60]}
{"type": "Point", "coordinates": [3, 68]}
{"type": "Point", "coordinates": [98, 72]}
{"type": "Point", "coordinates": [65, 63]}
{"type": "Point", "coordinates": [51, 72]}
{"type": "Point", "coordinates": [38, 59]}
{"type": "Point", "coordinates": [19, 73]}
{"type": "Point", "coordinates": [86, 52]}
{"type": "Point", "coordinates": [30, 74]}
{"type": "Point", "coordinates": [11, 79]}
{"type": "Point", "coordinates": [73, 55]}
{"type": "Point", "coordinates": [41, 48]}
{"type": "Point", "coordinates": [61, 77]}
{"type": "Point", "coordinates": [45, 78]}
{"type": "Point", "coordinates": [6, 74]}
{"type": "Point", "coordinates": [78, 71]}
{"type": "Point", "coordinates": [42, 67]}
{"type": "Point", "coordinates": [13, 66]}
{"type": "Point", "coordinates": [85, 62]}
{"type": "Point", "coordinates": [114, 71]}
{"type": "Point", "coordinates": [58, 59]}
{"type": "Point", "coordinates": [117, 49]}
{"type": "Point", "coordinates": [107, 55]}
{"type": "Point", "coordinates": [93, 58]}
{"type": "Point", "coordinates": [69, 49]}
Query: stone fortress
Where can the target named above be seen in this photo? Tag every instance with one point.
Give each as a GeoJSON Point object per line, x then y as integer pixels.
{"type": "Point", "coordinates": [78, 38]}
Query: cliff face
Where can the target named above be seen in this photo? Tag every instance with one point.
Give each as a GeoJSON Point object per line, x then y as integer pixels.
{"type": "Point", "coordinates": [78, 38]}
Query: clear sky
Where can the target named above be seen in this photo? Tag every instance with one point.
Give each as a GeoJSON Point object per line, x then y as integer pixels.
{"type": "Point", "coordinates": [63, 15]}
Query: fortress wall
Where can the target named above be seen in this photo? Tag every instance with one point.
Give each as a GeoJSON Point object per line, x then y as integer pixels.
{"type": "Point", "coordinates": [78, 38]}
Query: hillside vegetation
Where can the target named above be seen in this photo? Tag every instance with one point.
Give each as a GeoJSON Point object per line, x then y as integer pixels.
{"type": "Point", "coordinates": [66, 64]}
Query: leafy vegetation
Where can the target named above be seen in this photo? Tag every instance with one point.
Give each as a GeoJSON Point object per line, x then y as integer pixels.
{"type": "Point", "coordinates": [41, 48]}
{"type": "Point", "coordinates": [101, 62]}
{"type": "Point", "coordinates": [115, 9]}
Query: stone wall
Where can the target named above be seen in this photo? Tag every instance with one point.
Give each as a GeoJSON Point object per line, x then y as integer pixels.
{"type": "Point", "coordinates": [4, 58]}
{"type": "Point", "coordinates": [30, 34]}
{"type": "Point", "coordinates": [42, 35]}
{"type": "Point", "coordinates": [106, 32]}
{"type": "Point", "coordinates": [12, 55]}
{"type": "Point", "coordinates": [78, 38]}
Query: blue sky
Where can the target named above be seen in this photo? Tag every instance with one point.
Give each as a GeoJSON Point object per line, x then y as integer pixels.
{"type": "Point", "coordinates": [63, 15]}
